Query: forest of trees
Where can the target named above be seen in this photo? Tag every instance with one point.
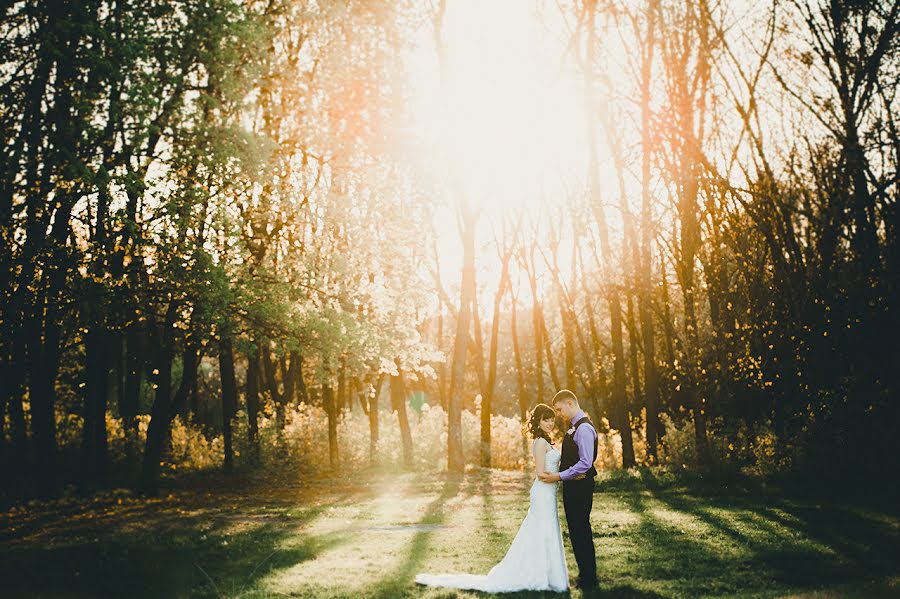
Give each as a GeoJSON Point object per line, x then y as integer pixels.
{"type": "Point", "coordinates": [210, 215]}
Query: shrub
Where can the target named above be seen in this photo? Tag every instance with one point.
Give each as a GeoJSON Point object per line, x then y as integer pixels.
{"type": "Point", "coordinates": [303, 443]}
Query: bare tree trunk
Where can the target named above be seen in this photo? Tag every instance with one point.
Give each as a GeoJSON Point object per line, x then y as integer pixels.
{"type": "Point", "coordinates": [478, 358]}
{"type": "Point", "coordinates": [548, 350]}
{"type": "Point", "coordinates": [190, 361]}
{"type": "Point", "coordinates": [520, 369]}
{"type": "Point", "coordinates": [687, 92]}
{"type": "Point", "coordinates": [342, 387]}
{"type": "Point", "coordinates": [331, 412]}
{"type": "Point", "coordinates": [162, 411]}
{"type": "Point", "coordinates": [467, 219]}
{"type": "Point", "coordinates": [271, 377]}
{"type": "Point", "coordinates": [94, 458]}
{"type": "Point", "coordinates": [13, 398]}
{"type": "Point", "coordinates": [42, 334]}
{"type": "Point", "coordinates": [252, 400]}
{"type": "Point", "coordinates": [645, 294]}
{"type": "Point", "coordinates": [590, 386]}
{"type": "Point", "coordinates": [195, 409]}
{"type": "Point", "coordinates": [289, 377]}
{"type": "Point", "coordinates": [398, 399]}
{"type": "Point", "coordinates": [537, 320]}
{"type": "Point", "coordinates": [302, 390]}
{"type": "Point", "coordinates": [373, 419]}
{"type": "Point", "coordinates": [633, 354]}
{"type": "Point", "coordinates": [538, 328]}
{"type": "Point", "coordinates": [668, 320]}
{"type": "Point", "coordinates": [487, 399]}
{"type": "Point", "coordinates": [229, 398]}
{"type": "Point", "coordinates": [599, 391]}
{"type": "Point", "coordinates": [567, 316]}
{"type": "Point", "coordinates": [455, 458]}
{"type": "Point", "coordinates": [477, 347]}
{"type": "Point", "coordinates": [442, 367]}
{"type": "Point", "coordinates": [568, 325]}
{"type": "Point", "coordinates": [619, 398]}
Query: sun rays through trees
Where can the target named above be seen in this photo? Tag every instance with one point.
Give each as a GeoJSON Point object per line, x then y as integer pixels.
{"type": "Point", "coordinates": [253, 235]}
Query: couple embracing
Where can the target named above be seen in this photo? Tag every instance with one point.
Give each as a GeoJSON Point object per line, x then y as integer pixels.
{"type": "Point", "coordinates": [535, 560]}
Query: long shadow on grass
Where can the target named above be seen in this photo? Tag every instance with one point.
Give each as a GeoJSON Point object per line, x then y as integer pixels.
{"type": "Point", "coordinates": [668, 557]}
{"type": "Point", "coordinates": [814, 547]}
{"type": "Point", "coordinates": [186, 562]}
{"type": "Point", "coordinates": [189, 565]}
{"type": "Point", "coordinates": [866, 546]}
{"type": "Point", "coordinates": [488, 526]}
{"type": "Point", "coordinates": [394, 583]}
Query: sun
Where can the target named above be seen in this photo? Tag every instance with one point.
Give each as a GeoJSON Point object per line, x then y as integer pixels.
{"type": "Point", "coordinates": [507, 118]}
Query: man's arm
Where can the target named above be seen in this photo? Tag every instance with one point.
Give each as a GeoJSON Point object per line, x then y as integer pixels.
{"type": "Point", "coordinates": [584, 439]}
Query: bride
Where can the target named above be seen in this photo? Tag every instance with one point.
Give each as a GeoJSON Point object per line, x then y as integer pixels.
{"type": "Point", "coordinates": [535, 559]}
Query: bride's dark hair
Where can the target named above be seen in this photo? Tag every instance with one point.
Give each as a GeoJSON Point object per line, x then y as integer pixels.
{"type": "Point", "coordinates": [532, 426]}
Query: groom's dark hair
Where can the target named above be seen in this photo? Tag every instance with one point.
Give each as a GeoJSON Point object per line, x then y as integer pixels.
{"type": "Point", "coordinates": [562, 395]}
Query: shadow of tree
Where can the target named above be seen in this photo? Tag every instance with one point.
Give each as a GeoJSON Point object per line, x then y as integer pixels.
{"type": "Point", "coordinates": [394, 583]}
{"type": "Point", "coordinates": [165, 561]}
{"type": "Point", "coordinates": [485, 490]}
{"type": "Point", "coordinates": [679, 540]}
{"type": "Point", "coordinates": [194, 565]}
{"type": "Point", "coordinates": [812, 547]}
{"type": "Point", "coordinates": [665, 553]}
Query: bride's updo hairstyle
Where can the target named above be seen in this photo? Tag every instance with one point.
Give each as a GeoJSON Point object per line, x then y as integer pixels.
{"type": "Point", "coordinates": [532, 426]}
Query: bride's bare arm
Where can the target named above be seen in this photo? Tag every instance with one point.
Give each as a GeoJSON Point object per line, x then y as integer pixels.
{"type": "Point", "coordinates": [539, 450]}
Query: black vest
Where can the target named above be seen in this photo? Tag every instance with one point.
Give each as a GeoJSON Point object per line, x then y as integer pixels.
{"type": "Point", "coordinates": [570, 450]}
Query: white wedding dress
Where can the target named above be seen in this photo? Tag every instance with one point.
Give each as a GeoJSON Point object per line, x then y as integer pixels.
{"type": "Point", "coordinates": [535, 560]}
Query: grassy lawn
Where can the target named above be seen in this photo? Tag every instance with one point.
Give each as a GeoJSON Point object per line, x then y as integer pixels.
{"type": "Point", "coordinates": [656, 536]}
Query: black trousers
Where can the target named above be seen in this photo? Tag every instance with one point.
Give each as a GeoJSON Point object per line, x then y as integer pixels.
{"type": "Point", "coordinates": [578, 497]}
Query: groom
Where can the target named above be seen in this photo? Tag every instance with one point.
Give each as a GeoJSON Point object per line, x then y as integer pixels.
{"type": "Point", "coordinates": [579, 452]}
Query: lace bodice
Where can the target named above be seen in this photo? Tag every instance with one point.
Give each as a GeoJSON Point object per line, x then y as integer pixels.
{"type": "Point", "coordinates": [551, 458]}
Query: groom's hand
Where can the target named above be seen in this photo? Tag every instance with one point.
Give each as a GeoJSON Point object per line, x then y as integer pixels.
{"type": "Point", "coordinates": [550, 477]}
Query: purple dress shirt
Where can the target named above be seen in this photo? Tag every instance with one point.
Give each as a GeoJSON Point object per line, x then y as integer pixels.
{"type": "Point", "coordinates": [584, 439]}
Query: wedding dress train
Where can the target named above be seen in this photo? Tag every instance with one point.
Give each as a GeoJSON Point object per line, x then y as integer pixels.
{"type": "Point", "coordinates": [535, 560]}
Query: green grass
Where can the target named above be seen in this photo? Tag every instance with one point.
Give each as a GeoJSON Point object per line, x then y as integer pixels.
{"type": "Point", "coordinates": [656, 536]}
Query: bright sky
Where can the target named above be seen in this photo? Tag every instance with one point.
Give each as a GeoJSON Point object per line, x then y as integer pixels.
{"type": "Point", "coordinates": [513, 120]}
{"type": "Point", "coordinates": [514, 124]}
